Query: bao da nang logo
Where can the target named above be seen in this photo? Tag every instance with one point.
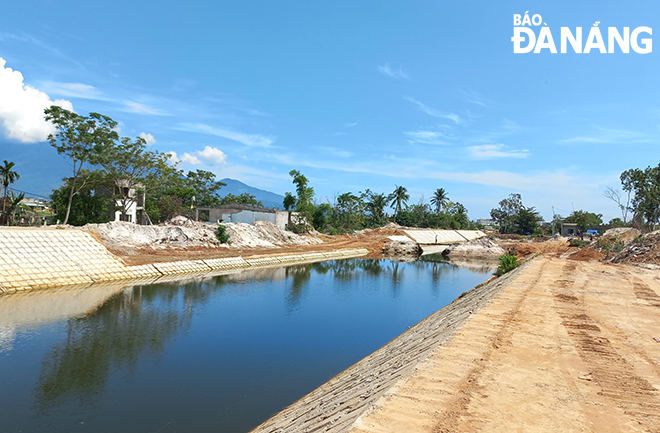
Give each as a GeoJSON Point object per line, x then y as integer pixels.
{"type": "Point", "coordinates": [531, 34]}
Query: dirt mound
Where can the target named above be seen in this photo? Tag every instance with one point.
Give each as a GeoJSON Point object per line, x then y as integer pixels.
{"type": "Point", "coordinates": [181, 232]}
{"type": "Point", "coordinates": [265, 234]}
{"type": "Point", "coordinates": [585, 254]}
{"type": "Point", "coordinates": [482, 247]}
{"type": "Point", "coordinates": [624, 234]}
{"type": "Point", "coordinates": [641, 249]}
{"type": "Point", "coordinates": [120, 234]}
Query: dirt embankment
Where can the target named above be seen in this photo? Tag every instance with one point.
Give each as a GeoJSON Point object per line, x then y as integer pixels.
{"type": "Point", "coordinates": [567, 346]}
{"type": "Point", "coordinates": [183, 239]}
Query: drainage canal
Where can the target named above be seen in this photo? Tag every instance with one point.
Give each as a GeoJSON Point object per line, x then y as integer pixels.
{"type": "Point", "coordinates": [219, 353]}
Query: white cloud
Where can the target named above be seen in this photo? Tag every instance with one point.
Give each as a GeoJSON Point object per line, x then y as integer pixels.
{"type": "Point", "coordinates": [253, 140]}
{"type": "Point", "coordinates": [489, 151]}
{"type": "Point", "coordinates": [427, 137]}
{"type": "Point", "coordinates": [434, 112]}
{"type": "Point", "coordinates": [209, 153]}
{"type": "Point", "coordinates": [22, 108]}
{"type": "Point", "coordinates": [136, 107]}
{"type": "Point", "coordinates": [213, 154]}
{"type": "Point", "coordinates": [148, 138]}
{"type": "Point", "coordinates": [389, 71]}
{"type": "Point", "coordinates": [190, 159]}
{"type": "Point", "coordinates": [350, 125]}
{"type": "Point", "coordinates": [72, 90]}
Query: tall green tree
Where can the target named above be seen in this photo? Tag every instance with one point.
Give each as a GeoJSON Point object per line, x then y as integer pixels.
{"type": "Point", "coordinates": [376, 207]}
{"type": "Point", "coordinates": [506, 214]}
{"type": "Point", "coordinates": [399, 198]}
{"type": "Point", "coordinates": [87, 205]}
{"type": "Point", "coordinates": [77, 137]}
{"type": "Point", "coordinates": [439, 199]}
{"type": "Point", "coordinates": [644, 185]}
{"type": "Point", "coordinates": [132, 170]}
{"type": "Point", "coordinates": [8, 176]}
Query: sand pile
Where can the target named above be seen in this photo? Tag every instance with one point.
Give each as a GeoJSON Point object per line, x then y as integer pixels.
{"type": "Point", "coordinates": [478, 248]}
{"type": "Point", "coordinates": [181, 232]}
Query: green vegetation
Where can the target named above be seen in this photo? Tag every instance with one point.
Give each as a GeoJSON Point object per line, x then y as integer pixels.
{"type": "Point", "coordinates": [584, 219]}
{"type": "Point", "coordinates": [222, 235]}
{"type": "Point", "coordinates": [8, 176]}
{"type": "Point", "coordinates": [507, 263]}
{"type": "Point", "coordinates": [577, 242]}
{"type": "Point", "coordinates": [350, 212]}
{"type": "Point", "coordinates": [513, 217]}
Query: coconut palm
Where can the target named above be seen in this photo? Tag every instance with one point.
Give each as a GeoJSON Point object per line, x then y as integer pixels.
{"type": "Point", "coordinates": [8, 176]}
{"type": "Point", "coordinates": [376, 205]}
{"type": "Point", "coordinates": [399, 199]}
{"type": "Point", "coordinates": [439, 199]}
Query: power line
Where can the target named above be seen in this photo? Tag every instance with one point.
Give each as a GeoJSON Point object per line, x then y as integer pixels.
{"type": "Point", "coordinates": [26, 192]}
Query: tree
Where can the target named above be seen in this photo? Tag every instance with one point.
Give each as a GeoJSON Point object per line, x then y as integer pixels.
{"type": "Point", "coordinates": [506, 214]}
{"type": "Point", "coordinates": [616, 222]}
{"type": "Point", "coordinates": [204, 187]}
{"type": "Point", "coordinates": [644, 186]}
{"type": "Point", "coordinates": [527, 221]}
{"type": "Point", "coordinates": [584, 219]}
{"type": "Point", "coordinates": [399, 198]}
{"type": "Point", "coordinates": [615, 196]}
{"type": "Point", "coordinates": [304, 193]}
{"type": "Point", "coordinates": [244, 198]}
{"type": "Point", "coordinates": [14, 207]}
{"type": "Point", "coordinates": [8, 176]}
{"type": "Point", "coordinates": [289, 201]}
{"type": "Point", "coordinates": [77, 137]}
{"type": "Point", "coordinates": [132, 170]}
{"type": "Point", "coordinates": [375, 206]}
{"type": "Point", "coordinates": [86, 206]}
{"type": "Point", "coordinates": [439, 199]}
{"type": "Point", "coordinates": [304, 206]}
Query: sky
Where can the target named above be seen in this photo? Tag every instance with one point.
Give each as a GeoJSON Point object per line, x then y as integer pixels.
{"type": "Point", "coordinates": [353, 94]}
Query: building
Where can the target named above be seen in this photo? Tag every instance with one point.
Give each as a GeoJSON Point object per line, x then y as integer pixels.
{"type": "Point", "coordinates": [136, 196]}
{"type": "Point", "coordinates": [242, 213]}
{"type": "Point", "coordinates": [569, 229]}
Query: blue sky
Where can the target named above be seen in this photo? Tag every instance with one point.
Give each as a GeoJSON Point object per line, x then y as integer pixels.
{"type": "Point", "coordinates": [355, 95]}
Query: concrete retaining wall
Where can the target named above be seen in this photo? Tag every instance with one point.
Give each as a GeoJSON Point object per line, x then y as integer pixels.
{"type": "Point", "coordinates": [38, 258]}
{"type": "Point", "coordinates": [443, 237]}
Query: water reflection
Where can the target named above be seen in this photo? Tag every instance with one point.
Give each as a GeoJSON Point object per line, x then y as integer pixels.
{"type": "Point", "coordinates": [335, 312]}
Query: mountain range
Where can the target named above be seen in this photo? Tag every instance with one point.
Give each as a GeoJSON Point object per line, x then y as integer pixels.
{"type": "Point", "coordinates": [236, 187]}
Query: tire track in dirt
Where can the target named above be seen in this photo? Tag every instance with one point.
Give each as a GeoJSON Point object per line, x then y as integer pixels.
{"type": "Point", "coordinates": [457, 418]}
{"type": "Point", "coordinates": [608, 369]}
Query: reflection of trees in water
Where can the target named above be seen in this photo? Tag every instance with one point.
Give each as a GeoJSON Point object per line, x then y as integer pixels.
{"type": "Point", "coordinates": [128, 325]}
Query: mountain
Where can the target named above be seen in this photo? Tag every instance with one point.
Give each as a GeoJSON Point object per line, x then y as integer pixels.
{"type": "Point", "coordinates": [236, 187]}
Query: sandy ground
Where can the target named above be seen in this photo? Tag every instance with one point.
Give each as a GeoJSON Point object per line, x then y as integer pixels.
{"type": "Point", "coordinates": [567, 346]}
{"type": "Point", "coordinates": [373, 242]}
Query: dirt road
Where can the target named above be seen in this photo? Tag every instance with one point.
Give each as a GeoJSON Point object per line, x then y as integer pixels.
{"type": "Point", "coordinates": [568, 346]}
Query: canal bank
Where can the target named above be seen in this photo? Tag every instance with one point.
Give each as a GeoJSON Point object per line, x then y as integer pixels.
{"type": "Point", "coordinates": [336, 405]}
{"type": "Point", "coordinates": [47, 258]}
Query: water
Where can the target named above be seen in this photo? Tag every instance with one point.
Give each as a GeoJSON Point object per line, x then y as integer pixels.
{"type": "Point", "coordinates": [218, 355]}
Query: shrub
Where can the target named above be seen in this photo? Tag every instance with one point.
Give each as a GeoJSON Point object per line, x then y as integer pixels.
{"type": "Point", "coordinates": [576, 242]}
{"type": "Point", "coordinates": [507, 263]}
{"type": "Point", "coordinates": [222, 235]}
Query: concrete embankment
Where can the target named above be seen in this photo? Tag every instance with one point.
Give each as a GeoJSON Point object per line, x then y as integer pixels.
{"type": "Point", "coordinates": [337, 404]}
{"type": "Point", "coordinates": [45, 258]}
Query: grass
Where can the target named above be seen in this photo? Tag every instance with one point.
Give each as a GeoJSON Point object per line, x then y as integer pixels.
{"type": "Point", "coordinates": [507, 263]}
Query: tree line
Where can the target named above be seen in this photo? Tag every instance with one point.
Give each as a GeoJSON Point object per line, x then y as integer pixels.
{"type": "Point", "coordinates": [366, 209]}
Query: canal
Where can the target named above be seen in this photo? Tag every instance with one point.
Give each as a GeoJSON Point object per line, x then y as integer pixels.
{"type": "Point", "coordinates": [213, 354]}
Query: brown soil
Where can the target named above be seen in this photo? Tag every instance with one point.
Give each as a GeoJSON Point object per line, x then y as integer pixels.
{"type": "Point", "coordinates": [567, 346]}
{"type": "Point", "coordinates": [524, 248]}
{"type": "Point", "coordinates": [586, 253]}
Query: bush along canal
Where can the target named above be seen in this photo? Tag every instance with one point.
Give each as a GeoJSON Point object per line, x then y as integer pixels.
{"type": "Point", "coordinates": [220, 353]}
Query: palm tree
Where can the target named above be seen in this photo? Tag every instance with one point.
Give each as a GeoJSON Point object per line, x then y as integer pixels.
{"type": "Point", "coordinates": [376, 205]}
{"type": "Point", "coordinates": [8, 176]}
{"type": "Point", "coordinates": [439, 199]}
{"type": "Point", "coordinates": [399, 199]}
